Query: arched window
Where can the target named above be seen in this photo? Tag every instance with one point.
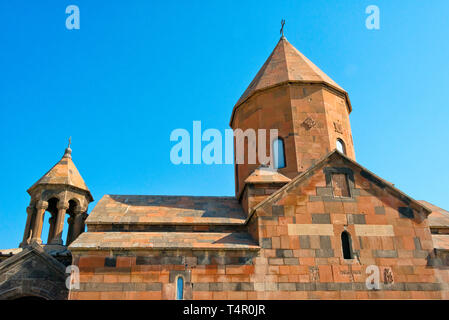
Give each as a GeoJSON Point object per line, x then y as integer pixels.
{"type": "Point", "coordinates": [346, 245]}
{"type": "Point", "coordinates": [278, 154]}
{"type": "Point", "coordinates": [341, 146]}
{"type": "Point", "coordinates": [179, 288]}
{"type": "Point", "coordinates": [50, 227]}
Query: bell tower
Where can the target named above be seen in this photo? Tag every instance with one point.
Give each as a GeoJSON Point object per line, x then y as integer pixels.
{"type": "Point", "coordinates": [309, 110]}
{"type": "Point", "coordinates": [60, 192]}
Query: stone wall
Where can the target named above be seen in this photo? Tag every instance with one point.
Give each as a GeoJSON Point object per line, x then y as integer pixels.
{"type": "Point", "coordinates": [299, 231]}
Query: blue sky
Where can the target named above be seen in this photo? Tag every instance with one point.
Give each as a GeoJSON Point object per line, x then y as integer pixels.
{"type": "Point", "coordinates": [136, 70]}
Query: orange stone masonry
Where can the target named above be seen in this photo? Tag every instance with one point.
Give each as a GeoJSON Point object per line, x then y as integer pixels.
{"type": "Point", "coordinates": [283, 236]}
{"type": "Point", "coordinates": [322, 227]}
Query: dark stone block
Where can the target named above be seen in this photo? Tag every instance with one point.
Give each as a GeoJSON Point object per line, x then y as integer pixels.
{"type": "Point", "coordinates": [304, 242]}
{"type": "Point", "coordinates": [379, 210]}
{"type": "Point", "coordinates": [288, 286]}
{"type": "Point", "coordinates": [397, 286]}
{"type": "Point", "coordinates": [138, 286]}
{"type": "Point", "coordinates": [331, 286]}
{"type": "Point", "coordinates": [231, 286]}
{"type": "Point", "coordinates": [346, 286]}
{"type": "Point", "coordinates": [359, 219]}
{"type": "Point", "coordinates": [359, 286]}
{"type": "Point", "coordinates": [278, 210]}
{"type": "Point", "coordinates": [309, 286]}
{"type": "Point", "coordinates": [300, 286]}
{"type": "Point", "coordinates": [266, 243]}
{"type": "Point", "coordinates": [246, 286]}
{"type": "Point", "coordinates": [325, 242]}
{"type": "Point", "coordinates": [406, 212]}
{"type": "Point", "coordinates": [385, 253]}
{"type": "Point", "coordinates": [201, 286]}
{"type": "Point", "coordinates": [321, 253]}
{"type": "Point", "coordinates": [155, 286]}
{"type": "Point", "coordinates": [321, 218]}
{"type": "Point", "coordinates": [110, 261]}
{"type": "Point", "coordinates": [216, 286]}
{"type": "Point", "coordinates": [411, 286]}
{"type": "Point", "coordinates": [93, 286]}
{"type": "Point", "coordinates": [142, 260]}
{"type": "Point", "coordinates": [338, 199]}
{"type": "Point", "coordinates": [172, 260]}
{"type": "Point", "coordinates": [319, 286]}
{"type": "Point", "coordinates": [282, 253]}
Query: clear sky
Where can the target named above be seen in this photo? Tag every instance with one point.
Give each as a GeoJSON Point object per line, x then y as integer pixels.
{"type": "Point", "coordinates": [136, 70]}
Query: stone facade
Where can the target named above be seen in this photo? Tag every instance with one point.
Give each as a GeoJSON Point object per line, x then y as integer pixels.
{"type": "Point", "coordinates": [319, 227]}
{"type": "Point", "coordinates": [297, 252]}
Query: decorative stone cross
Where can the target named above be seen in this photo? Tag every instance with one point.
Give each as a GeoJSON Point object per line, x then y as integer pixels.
{"type": "Point", "coordinates": [282, 27]}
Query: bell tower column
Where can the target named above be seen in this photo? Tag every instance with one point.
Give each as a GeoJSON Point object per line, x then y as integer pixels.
{"type": "Point", "coordinates": [38, 221]}
{"type": "Point", "coordinates": [59, 226]}
{"type": "Point", "coordinates": [28, 226]}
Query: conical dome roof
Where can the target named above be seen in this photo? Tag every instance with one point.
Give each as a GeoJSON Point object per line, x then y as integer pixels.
{"type": "Point", "coordinates": [63, 173]}
{"type": "Point", "coordinates": [286, 64]}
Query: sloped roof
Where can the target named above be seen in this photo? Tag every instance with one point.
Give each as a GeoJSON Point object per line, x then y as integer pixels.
{"type": "Point", "coordinates": [439, 218]}
{"type": "Point", "coordinates": [287, 64]}
{"type": "Point", "coordinates": [326, 159]}
{"type": "Point", "coordinates": [33, 250]}
{"type": "Point", "coordinates": [10, 251]}
{"type": "Point", "coordinates": [164, 241]}
{"type": "Point", "coordinates": [441, 241]}
{"type": "Point", "coordinates": [168, 210]}
{"type": "Point", "coordinates": [63, 173]}
{"type": "Point", "coordinates": [266, 175]}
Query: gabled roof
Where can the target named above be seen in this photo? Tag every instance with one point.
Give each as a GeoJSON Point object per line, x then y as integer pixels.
{"type": "Point", "coordinates": [439, 218]}
{"type": "Point", "coordinates": [164, 241]}
{"type": "Point", "coordinates": [34, 250]}
{"type": "Point", "coordinates": [266, 175]}
{"type": "Point", "coordinates": [63, 173]}
{"type": "Point", "coordinates": [286, 64]}
{"type": "Point", "coordinates": [333, 155]}
{"type": "Point", "coordinates": [167, 210]}
{"type": "Point", "coordinates": [441, 241]}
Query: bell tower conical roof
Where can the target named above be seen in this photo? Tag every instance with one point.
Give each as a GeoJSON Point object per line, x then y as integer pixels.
{"type": "Point", "coordinates": [287, 64]}
{"type": "Point", "coordinates": [63, 173]}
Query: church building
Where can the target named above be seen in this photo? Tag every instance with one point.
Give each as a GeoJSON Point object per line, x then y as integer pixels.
{"type": "Point", "coordinates": [315, 225]}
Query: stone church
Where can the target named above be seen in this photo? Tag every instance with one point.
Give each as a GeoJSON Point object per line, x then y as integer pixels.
{"type": "Point", "coordinates": [318, 225]}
